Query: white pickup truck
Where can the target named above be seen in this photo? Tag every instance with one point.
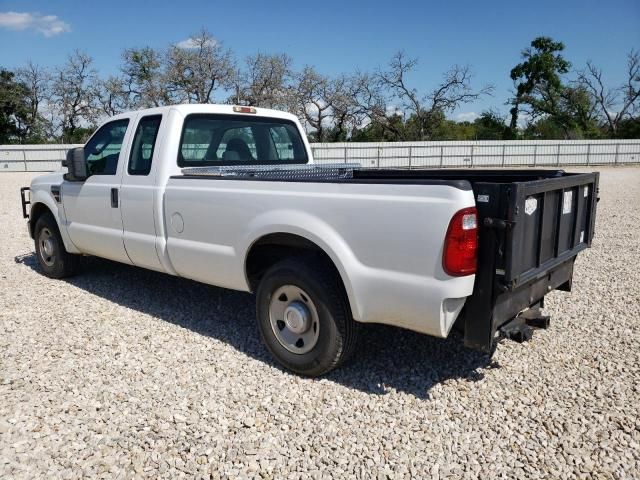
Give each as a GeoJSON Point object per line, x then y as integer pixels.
{"type": "Point", "coordinates": [229, 196]}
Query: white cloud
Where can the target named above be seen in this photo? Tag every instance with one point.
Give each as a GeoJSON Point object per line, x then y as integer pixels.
{"type": "Point", "coordinates": [466, 116]}
{"type": "Point", "coordinates": [47, 25]}
{"type": "Point", "coordinates": [191, 43]}
{"type": "Point", "coordinates": [394, 110]}
{"type": "Point", "coordinates": [523, 119]}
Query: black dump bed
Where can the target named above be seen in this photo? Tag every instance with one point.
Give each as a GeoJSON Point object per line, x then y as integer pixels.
{"type": "Point", "coordinates": [532, 225]}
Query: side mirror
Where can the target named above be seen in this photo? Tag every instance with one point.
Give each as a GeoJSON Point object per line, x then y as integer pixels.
{"type": "Point", "coordinates": [76, 163]}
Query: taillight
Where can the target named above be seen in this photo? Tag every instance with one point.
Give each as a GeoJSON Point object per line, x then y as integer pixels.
{"type": "Point", "coordinates": [461, 243]}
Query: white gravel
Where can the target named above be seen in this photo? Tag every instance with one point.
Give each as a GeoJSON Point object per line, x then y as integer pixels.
{"type": "Point", "coordinates": [126, 373]}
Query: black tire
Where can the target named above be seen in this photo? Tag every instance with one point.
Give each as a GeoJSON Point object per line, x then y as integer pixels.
{"type": "Point", "coordinates": [53, 258]}
{"type": "Point", "coordinates": [338, 332]}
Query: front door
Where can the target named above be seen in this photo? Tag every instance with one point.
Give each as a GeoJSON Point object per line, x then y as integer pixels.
{"type": "Point", "coordinates": [92, 207]}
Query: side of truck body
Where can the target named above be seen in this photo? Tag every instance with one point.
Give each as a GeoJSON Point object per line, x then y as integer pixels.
{"type": "Point", "coordinates": [383, 236]}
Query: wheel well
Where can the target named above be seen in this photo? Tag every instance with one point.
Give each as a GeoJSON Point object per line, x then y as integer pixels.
{"type": "Point", "coordinates": [37, 210]}
{"type": "Point", "coordinates": [275, 247]}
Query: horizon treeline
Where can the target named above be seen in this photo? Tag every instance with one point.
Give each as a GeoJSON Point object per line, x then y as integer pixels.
{"type": "Point", "coordinates": [550, 98]}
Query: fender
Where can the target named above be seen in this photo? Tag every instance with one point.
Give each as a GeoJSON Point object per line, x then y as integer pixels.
{"type": "Point", "coordinates": [40, 195]}
{"type": "Point", "coordinates": [313, 229]}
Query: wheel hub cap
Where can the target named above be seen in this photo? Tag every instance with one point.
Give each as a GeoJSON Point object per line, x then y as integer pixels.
{"type": "Point", "coordinates": [47, 247]}
{"type": "Point", "coordinates": [297, 317]}
{"type": "Point", "coordinates": [294, 319]}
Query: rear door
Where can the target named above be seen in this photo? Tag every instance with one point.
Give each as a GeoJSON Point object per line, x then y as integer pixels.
{"type": "Point", "coordinates": [92, 207]}
{"type": "Point", "coordinates": [138, 192]}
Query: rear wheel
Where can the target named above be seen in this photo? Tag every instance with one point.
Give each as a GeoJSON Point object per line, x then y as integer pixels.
{"type": "Point", "coordinates": [304, 316]}
{"type": "Point", "coordinates": [54, 260]}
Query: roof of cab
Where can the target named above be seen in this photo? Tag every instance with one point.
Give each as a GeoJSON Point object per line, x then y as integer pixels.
{"type": "Point", "coordinates": [190, 108]}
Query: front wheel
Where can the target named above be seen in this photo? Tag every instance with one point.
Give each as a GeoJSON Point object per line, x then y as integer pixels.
{"type": "Point", "coordinates": [304, 316]}
{"type": "Point", "coordinates": [54, 259]}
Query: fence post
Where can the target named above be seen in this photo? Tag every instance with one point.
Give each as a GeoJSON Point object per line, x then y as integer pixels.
{"type": "Point", "coordinates": [345, 154]}
{"type": "Point", "coordinates": [504, 146]}
{"type": "Point", "coordinates": [409, 157]}
{"type": "Point", "coordinates": [24, 156]}
{"type": "Point", "coordinates": [558, 157]}
{"type": "Point", "coordinates": [379, 148]}
{"type": "Point", "coordinates": [472, 156]}
{"type": "Point", "coordinates": [588, 152]}
{"type": "Point", "coordinates": [441, 155]}
{"type": "Point", "coordinates": [535, 155]}
{"type": "Point", "coordinates": [617, 150]}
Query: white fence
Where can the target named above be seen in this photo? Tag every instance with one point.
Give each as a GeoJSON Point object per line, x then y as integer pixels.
{"type": "Point", "coordinates": [32, 158]}
{"type": "Point", "coordinates": [519, 153]}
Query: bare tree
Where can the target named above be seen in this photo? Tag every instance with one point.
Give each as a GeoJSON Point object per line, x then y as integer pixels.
{"type": "Point", "coordinates": [74, 93]}
{"type": "Point", "coordinates": [373, 104]}
{"type": "Point", "coordinates": [427, 109]}
{"type": "Point", "coordinates": [113, 96]}
{"type": "Point", "coordinates": [37, 79]}
{"type": "Point", "coordinates": [348, 112]}
{"type": "Point", "coordinates": [144, 77]}
{"type": "Point", "coordinates": [265, 81]}
{"type": "Point", "coordinates": [196, 70]}
{"type": "Point", "coordinates": [313, 95]}
{"type": "Point", "coordinates": [614, 104]}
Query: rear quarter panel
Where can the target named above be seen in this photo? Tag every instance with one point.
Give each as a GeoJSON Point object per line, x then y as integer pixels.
{"type": "Point", "coordinates": [386, 240]}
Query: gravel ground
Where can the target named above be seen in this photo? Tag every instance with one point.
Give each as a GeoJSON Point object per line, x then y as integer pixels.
{"type": "Point", "coordinates": [126, 373]}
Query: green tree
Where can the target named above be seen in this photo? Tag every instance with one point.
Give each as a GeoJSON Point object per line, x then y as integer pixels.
{"type": "Point", "coordinates": [538, 80]}
{"type": "Point", "coordinates": [491, 126]}
{"type": "Point", "coordinates": [629, 128]}
{"type": "Point", "coordinates": [14, 108]}
{"type": "Point", "coordinates": [389, 128]}
{"type": "Point", "coordinates": [545, 128]}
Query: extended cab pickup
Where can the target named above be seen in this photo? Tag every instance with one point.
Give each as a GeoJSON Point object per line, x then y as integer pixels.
{"type": "Point", "coordinates": [229, 196]}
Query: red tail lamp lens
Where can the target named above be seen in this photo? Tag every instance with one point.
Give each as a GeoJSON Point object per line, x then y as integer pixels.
{"type": "Point", "coordinates": [461, 244]}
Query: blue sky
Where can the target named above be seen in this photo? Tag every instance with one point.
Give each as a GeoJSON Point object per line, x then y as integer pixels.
{"type": "Point", "coordinates": [334, 36]}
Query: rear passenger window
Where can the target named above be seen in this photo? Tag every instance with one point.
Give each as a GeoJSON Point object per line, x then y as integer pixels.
{"type": "Point", "coordinates": [143, 145]}
{"type": "Point", "coordinates": [223, 139]}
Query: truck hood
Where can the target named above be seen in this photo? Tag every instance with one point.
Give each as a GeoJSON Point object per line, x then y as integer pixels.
{"type": "Point", "coordinates": [54, 178]}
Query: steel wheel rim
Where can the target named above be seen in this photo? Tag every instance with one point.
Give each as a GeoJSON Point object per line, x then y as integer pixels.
{"type": "Point", "coordinates": [294, 319]}
{"type": "Point", "coordinates": [47, 247]}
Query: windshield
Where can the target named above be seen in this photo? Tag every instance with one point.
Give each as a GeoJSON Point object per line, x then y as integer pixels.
{"type": "Point", "coordinates": [210, 140]}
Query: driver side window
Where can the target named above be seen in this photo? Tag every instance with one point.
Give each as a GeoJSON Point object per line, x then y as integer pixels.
{"type": "Point", "coordinates": [103, 149]}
